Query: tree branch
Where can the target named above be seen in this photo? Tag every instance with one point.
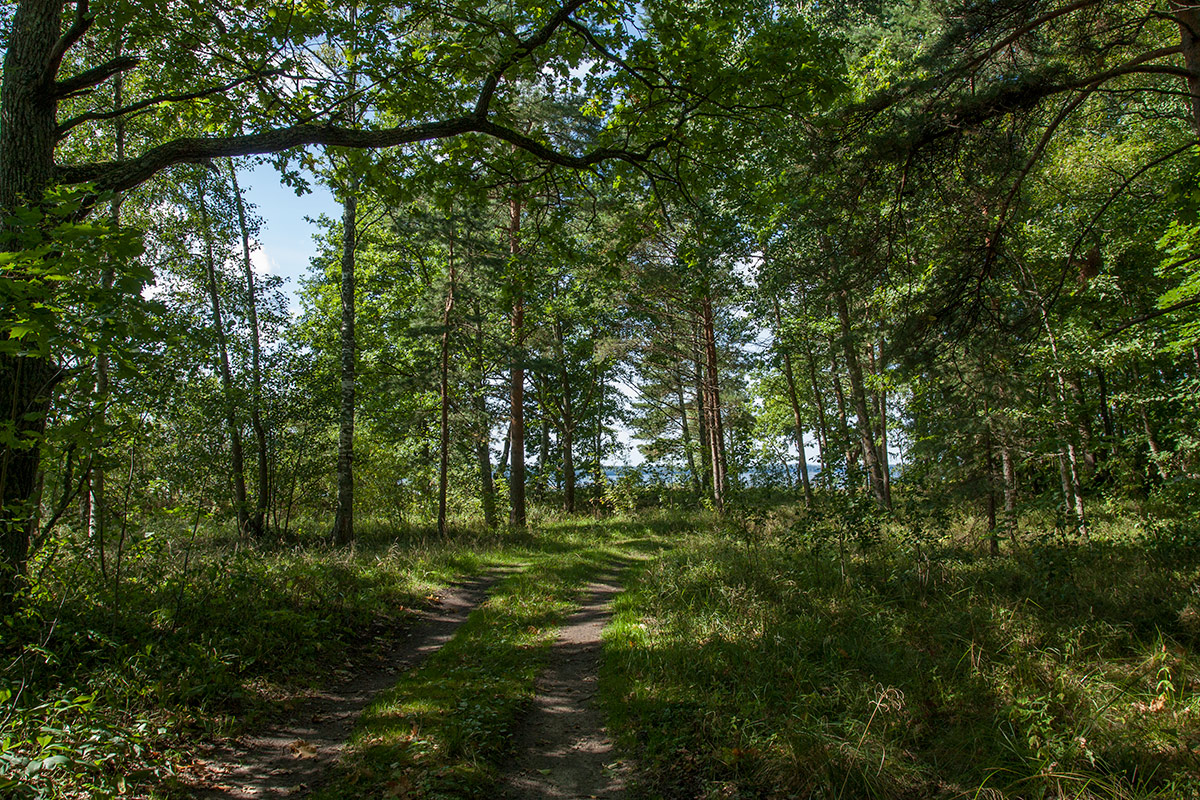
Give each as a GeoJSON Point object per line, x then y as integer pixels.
{"type": "Point", "coordinates": [95, 76]}
{"type": "Point", "coordinates": [523, 50]}
{"type": "Point", "coordinates": [96, 116]}
{"type": "Point", "coordinates": [123, 175]}
{"type": "Point", "coordinates": [1193, 301]}
{"type": "Point", "coordinates": [83, 21]}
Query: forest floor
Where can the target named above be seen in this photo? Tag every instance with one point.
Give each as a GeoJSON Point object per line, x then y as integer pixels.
{"type": "Point", "coordinates": [775, 653]}
{"type": "Point", "coordinates": [560, 746]}
{"type": "Point", "coordinates": [291, 756]}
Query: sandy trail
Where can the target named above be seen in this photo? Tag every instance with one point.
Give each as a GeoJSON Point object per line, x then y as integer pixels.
{"type": "Point", "coordinates": [564, 749]}
{"type": "Point", "coordinates": [290, 758]}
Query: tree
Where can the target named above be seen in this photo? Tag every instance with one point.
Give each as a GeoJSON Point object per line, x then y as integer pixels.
{"type": "Point", "coordinates": [436, 73]}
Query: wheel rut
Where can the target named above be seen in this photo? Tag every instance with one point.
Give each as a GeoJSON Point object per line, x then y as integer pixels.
{"type": "Point", "coordinates": [287, 760]}
{"type": "Point", "coordinates": [564, 750]}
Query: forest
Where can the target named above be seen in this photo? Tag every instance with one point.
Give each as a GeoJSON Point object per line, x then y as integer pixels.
{"type": "Point", "coordinates": [689, 399]}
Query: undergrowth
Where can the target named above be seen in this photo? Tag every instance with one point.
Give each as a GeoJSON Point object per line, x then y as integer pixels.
{"type": "Point", "coordinates": [114, 671]}
{"type": "Point", "coordinates": [827, 656]}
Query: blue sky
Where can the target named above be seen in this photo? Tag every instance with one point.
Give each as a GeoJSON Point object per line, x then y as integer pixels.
{"type": "Point", "coordinates": [286, 237]}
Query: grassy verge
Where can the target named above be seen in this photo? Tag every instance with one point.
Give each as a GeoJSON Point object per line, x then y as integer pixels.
{"type": "Point", "coordinates": [773, 663]}
{"type": "Point", "coordinates": [111, 676]}
{"type": "Point", "coordinates": [444, 729]}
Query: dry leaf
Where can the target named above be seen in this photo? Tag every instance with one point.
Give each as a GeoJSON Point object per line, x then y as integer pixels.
{"type": "Point", "coordinates": [302, 749]}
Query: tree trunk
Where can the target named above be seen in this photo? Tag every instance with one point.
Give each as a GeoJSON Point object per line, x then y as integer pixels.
{"type": "Point", "coordinates": [258, 520]}
{"type": "Point", "coordinates": [93, 498]}
{"type": "Point", "coordinates": [598, 479]}
{"type": "Point", "coordinates": [342, 532]}
{"type": "Point", "coordinates": [858, 396]}
{"type": "Point", "coordinates": [706, 470]}
{"type": "Point", "coordinates": [444, 397]}
{"type": "Point", "coordinates": [797, 417]}
{"type": "Point", "coordinates": [483, 439]}
{"type": "Point", "coordinates": [1083, 425]}
{"type": "Point", "coordinates": [687, 433]}
{"type": "Point", "coordinates": [843, 417]}
{"type": "Point", "coordinates": [28, 135]}
{"type": "Point", "coordinates": [822, 420]}
{"type": "Point", "coordinates": [989, 450]}
{"type": "Point", "coordinates": [716, 430]}
{"type": "Point", "coordinates": [1110, 435]}
{"type": "Point", "coordinates": [880, 402]}
{"type": "Point", "coordinates": [543, 465]}
{"type": "Point", "coordinates": [237, 456]}
{"type": "Point", "coordinates": [1009, 467]}
{"type": "Point", "coordinates": [1156, 451]}
{"type": "Point", "coordinates": [502, 466]}
{"type": "Point", "coordinates": [487, 490]}
{"type": "Point", "coordinates": [516, 481]}
{"type": "Point", "coordinates": [568, 424]}
{"type": "Point", "coordinates": [1188, 17]}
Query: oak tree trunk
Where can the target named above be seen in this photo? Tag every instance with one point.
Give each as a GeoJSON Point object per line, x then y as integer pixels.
{"type": "Point", "coordinates": [28, 135]}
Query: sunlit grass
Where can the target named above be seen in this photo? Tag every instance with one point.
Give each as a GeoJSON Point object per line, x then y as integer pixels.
{"type": "Point", "coordinates": [763, 664]}
{"type": "Point", "coordinates": [204, 636]}
{"type": "Point", "coordinates": [445, 728]}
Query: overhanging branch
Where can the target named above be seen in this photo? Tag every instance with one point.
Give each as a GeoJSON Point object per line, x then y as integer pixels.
{"type": "Point", "coordinates": [95, 76]}
{"type": "Point", "coordinates": [123, 175]}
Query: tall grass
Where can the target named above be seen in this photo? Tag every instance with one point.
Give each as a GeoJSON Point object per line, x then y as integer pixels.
{"type": "Point", "coordinates": [115, 670]}
{"type": "Point", "coordinates": [817, 657]}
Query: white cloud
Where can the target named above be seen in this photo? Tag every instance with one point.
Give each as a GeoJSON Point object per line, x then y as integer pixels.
{"type": "Point", "coordinates": [262, 263]}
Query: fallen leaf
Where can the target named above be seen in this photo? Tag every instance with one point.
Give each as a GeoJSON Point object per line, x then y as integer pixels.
{"type": "Point", "coordinates": [302, 749]}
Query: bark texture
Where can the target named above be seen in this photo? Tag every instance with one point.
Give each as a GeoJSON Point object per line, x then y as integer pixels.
{"type": "Point", "coordinates": [343, 520]}
{"type": "Point", "coordinates": [236, 453]}
{"type": "Point", "coordinates": [516, 478]}
{"type": "Point", "coordinates": [28, 122]}
{"type": "Point", "coordinates": [712, 404]}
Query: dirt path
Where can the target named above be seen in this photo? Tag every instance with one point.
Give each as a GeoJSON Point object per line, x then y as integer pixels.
{"type": "Point", "coordinates": [564, 749]}
{"type": "Point", "coordinates": [287, 760]}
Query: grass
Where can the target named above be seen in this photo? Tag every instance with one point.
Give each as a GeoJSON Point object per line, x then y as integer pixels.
{"type": "Point", "coordinates": [107, 685]}
{"type": "Point", "coordinates": [764, 660]}
{"type": "Point", "coordinates": [445, 729]}
{"type": "Point", "coordinates": [779, 654]}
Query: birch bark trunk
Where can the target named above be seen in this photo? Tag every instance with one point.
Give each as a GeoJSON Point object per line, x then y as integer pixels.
{"type": "Point", "coordinates": [238, 469]}
{"type": "Point", "coordinates": [516, 482]}
{"type": "Point", "coordinates": [258, 519]}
